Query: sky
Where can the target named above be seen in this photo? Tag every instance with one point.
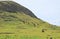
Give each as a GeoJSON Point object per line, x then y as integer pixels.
{"type": "Point", "coordinates": [47, 10]}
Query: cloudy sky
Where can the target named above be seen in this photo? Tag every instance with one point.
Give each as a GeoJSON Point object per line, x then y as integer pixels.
{"type": "Point", "coordinates": [47, 10]}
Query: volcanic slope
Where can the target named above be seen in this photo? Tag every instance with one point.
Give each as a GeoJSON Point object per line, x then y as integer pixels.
{"type": "Point", "coordinates": [18, 22]}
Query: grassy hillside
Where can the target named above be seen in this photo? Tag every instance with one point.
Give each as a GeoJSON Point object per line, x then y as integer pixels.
{"type": "Point", "coordinates": [17, 22]}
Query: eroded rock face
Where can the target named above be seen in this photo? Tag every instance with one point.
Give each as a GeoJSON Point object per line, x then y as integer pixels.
{"type": "Point", "coordinates": [11, 6]}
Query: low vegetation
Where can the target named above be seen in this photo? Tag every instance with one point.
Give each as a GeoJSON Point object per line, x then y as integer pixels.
{"type": "Point", "coordinates": [17, 22]}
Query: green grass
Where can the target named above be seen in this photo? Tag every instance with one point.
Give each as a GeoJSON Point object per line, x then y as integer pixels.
{"type": "Point", "coordinates": [20, 37]}
{"type": "Point", "coordinates": [25, 37]}
{"type": "Point", "coordinates": [23, 24]}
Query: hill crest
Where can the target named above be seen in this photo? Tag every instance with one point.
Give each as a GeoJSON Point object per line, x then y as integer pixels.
{"type": "Point", "coordinates": [11, 6]}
